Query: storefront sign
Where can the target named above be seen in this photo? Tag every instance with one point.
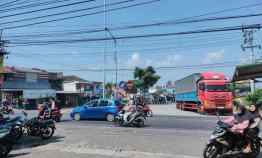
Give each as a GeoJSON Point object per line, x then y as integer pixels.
{"type": "Point", "coordinates": [37, 94]}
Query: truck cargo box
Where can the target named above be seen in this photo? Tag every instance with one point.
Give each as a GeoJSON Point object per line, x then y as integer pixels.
{"type": "Point", "coordinates": [186, 88]}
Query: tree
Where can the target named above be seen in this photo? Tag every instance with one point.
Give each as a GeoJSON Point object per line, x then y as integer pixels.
{"type": "Point", "coordinates": [145, 78]}
{"type": "Point", "coordinates": [109, 89]}
{"type": "Point", "coordinates": [255, 98]}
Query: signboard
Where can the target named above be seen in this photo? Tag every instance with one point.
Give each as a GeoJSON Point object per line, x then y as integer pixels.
{"type": "Point", "coordinates": [37, 94]}
{"type": "Point", "coordinates": [122, 85]}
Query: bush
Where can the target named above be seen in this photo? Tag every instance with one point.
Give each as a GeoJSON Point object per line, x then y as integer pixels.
{"type": "Point", "coordinates": [255, 98]}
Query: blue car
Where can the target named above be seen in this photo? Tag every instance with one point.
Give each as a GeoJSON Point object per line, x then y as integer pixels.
{"type": "Point", "coordinates": [96, 109]}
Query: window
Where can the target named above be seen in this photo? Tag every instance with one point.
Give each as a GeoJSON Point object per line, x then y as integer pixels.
{"type": "Point", "coordinates": [202, 86]}
{"type": "Point", "coordinates": [103, 103]}
{"type": "Point", "coordinates": [31, 77]}
{"type": "Point", "coordinates": [93, 103]}
{"type": "Point", "coordinates": [216, 88]}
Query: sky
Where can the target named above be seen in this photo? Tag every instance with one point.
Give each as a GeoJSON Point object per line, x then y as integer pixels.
{"type": "Point", "coordinates": [171, 51]}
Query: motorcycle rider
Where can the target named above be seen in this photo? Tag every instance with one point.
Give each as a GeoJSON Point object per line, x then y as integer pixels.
{"type": "Point", "coordinates": [127, 110]}
{"type": "Point", "coordinates": [52, 103]}
{"type": "Point", "coordinates": [253, 128]}
{"type": "Point", "coordinates": [43, 109]}
{"type": "Point", "coordinates": [246, 119]}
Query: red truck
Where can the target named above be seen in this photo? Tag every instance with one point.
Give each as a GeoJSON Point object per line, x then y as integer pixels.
{"type": "Point", "coordinates": [204, 92]}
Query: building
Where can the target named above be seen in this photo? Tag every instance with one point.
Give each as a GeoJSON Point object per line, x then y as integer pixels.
{"type": "Point", "coordinates": [30, 85]}
{"type": "Point", "coordinates": [76, 90]}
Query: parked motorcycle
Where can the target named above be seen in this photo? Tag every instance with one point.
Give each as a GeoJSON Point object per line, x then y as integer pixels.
{"type": "Point", "coordinates": [37, 127]}
{"type": "Point", "coordinates": [225, 144]}
{"type": "Point", "coordinates": [14, 123]}
{"type": "Point", "coordinates": [6, 141]}
{"type": "Point", "coordinates": [136, 119]}
{"type": "Point", "coordinates": [15, 127]}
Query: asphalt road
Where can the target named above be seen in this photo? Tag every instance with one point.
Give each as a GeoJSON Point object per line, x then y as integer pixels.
{"type": "Point", "coordinates": [164, 137]}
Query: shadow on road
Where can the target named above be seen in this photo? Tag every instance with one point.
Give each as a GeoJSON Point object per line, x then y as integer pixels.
{"type": "Point", "coordinates": [31, 142]}
{"type": "Point", "coordinates": [18, 155]}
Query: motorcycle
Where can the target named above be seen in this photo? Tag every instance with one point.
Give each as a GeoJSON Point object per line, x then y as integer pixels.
{"type": "Point", "coordinates": [225, 144]}
{"type": "Point", "coordinates": [148, 111]}
{"type": "Point", "coordinates": [37, 127]}
{"type": "Point", "coordinates": [54, 114]}
{"type": "Point", "coordinates": [6, 141]}
{"type": "Point", "coordinates": [14, 124]}
{"type": "Point", "coordinates": [136, 119]}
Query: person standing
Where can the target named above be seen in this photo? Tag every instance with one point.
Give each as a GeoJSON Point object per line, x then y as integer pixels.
{"type": "Point", "coordinates": [52, 103]}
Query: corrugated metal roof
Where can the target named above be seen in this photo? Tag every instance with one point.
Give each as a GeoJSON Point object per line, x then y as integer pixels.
{"type": "Point", "coordinates": [250, 71]}
{"type": "Point", "coordinates": [22, 84]}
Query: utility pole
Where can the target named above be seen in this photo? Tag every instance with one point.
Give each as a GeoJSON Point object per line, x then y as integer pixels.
{"type": "Point", "coordinates": [104, 67]}
{"type": "Point", "coordinates": [115, 58]}
{"type": "Point", "coordinates": [2, 57]}
{"type": "Point", "coordinates": [248, 43]}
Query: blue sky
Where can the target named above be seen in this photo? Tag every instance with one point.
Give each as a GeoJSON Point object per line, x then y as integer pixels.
{"type": "Point", "coordinates": [165, 51]}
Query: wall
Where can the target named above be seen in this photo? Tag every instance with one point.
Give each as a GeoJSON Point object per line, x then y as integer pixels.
{"type": "Point", "coordinates": [69, 86]}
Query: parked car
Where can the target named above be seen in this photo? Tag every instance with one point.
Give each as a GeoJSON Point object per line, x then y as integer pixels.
{"type": "Point", "coordinates": [96, 109]}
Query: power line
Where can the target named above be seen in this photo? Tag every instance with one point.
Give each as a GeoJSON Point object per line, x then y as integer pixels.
{"type": "Point", "coordinates": [223, 11]}
{"type": "Point", "coordinates": [139, 26]}
{"type": "Point", "coordinates": [63, 13]}
{"type": "Point", "coordinates": [209, 30]}
{"type": "Point", "coordinates": [8, 3]}
{"type": "Point", "coordinates": [151, 49]}
{"type": "Point", "coordinates": [18, 3]}
{"type": "Point", "coordinates": [222, 64]}
{"type": "Point", "coordinates": [45, 9]}
{"type": "Point", "coordinates": [82, 15]}
{"type": "Point", "coordinates": [32, 5]}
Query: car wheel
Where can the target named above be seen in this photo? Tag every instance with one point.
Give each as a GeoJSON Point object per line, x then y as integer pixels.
{"type": "Point", "coordinates": [77, 117]}
{"type": "Point", "coordinates": [110, 117]}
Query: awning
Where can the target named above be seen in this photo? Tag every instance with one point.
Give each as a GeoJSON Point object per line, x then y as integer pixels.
{"type": "Point", "coordinates": [68, 92]}
{"type": "Point", "coordinates": [246, 72]}
{"type": "Point", "coordinates": [38, 94]}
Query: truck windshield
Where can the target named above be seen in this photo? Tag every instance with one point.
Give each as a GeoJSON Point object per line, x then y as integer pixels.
{"type": "Point", "coordinates": [216, 88]}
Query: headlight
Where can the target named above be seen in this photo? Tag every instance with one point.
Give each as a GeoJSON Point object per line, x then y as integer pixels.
{"type": "Point", "coordinates": [206, 103]}
{"type": "Point", "coordinates": [3, 134]}
{"type": "Point", "coordinates": [213, 137]}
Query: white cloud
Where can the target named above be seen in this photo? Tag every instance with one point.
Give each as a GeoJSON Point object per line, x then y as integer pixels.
{"type": "Point", "coordinates": [135, 60]}
{"type": "Point", "coordinates": [170, 60]}
{"type": "Point", "coordinates": [213, 57]}
{"type": "Point", "coordinates": [148, 62]}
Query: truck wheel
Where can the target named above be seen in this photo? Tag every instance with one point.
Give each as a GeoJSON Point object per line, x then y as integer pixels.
{"type": "Point", "coordinates": [201, 110]}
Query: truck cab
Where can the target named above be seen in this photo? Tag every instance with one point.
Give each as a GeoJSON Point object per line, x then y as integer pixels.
{"type": "Point", "coordinates": [214, 93]}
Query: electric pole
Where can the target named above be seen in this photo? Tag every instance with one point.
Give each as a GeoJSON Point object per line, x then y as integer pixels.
{"type": "Point", "coordinates": [115, 58]}
{"type": "Point", "coordinates": [248, 43]}
{"type": "Point", "coordinates": [2, 57]}
{"type": "Point", "coordinates": [104, 67]}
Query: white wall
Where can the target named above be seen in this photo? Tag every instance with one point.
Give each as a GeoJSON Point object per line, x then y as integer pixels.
{"type": "Point", "coordinates": [71, 86]}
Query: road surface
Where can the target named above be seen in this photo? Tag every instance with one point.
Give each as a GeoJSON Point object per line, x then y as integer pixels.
{"type": "Point", "coordinates": [164, 137]}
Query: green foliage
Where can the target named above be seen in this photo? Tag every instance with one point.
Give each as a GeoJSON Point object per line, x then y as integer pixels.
{"type": "Point", "coordinates": [145, 78]}
{"type": "Point", "coordinates": [255, 98]}
{"type": "Point", "coordinates": [109, 89]}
